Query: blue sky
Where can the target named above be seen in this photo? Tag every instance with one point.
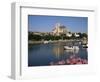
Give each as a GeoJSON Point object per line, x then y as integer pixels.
{"type": "Point", "coordinates": [39, 23]}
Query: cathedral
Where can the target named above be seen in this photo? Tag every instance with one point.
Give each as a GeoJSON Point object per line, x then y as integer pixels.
{"type": "Point", "coordinates": [59, 29]}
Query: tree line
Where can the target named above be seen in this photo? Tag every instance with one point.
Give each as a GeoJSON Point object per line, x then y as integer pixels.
{"type": "Point", "coordinates": [36, 37]}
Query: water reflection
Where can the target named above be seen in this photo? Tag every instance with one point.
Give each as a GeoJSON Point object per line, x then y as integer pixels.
{"type": "Point", "coordinates": [58, 50]}
{"type": "Point", "coordinates": [71, 59]}
{"type": "Point", "coordinates": [55, 54]}
{"type": "Point", "coordinates": [72, 51]}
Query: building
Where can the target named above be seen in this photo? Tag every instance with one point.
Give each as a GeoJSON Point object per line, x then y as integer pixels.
{"type": "Point", "coordinates": [59, 29]}
{"type": "Point", "coordinates": [76, 35]}
{"type": "Point", "coordinates": [69, 34]}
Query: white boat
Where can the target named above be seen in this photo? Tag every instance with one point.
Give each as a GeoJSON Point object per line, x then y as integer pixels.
{"type": "Point", "coordinates": [46, 42]}
{"type": "Point", "coordinates": [68, 47]}
{"type": "Point", "coordinates": [71, 47]}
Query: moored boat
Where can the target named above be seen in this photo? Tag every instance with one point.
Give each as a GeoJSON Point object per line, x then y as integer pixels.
{"type": "Point", "coordinates": [71, 47]}
{"type": "Point", "coordinates": [46, 42]}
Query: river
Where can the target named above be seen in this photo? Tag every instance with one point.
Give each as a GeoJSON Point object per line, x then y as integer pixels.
{"type": "Point", "coordinates": [55, 54]}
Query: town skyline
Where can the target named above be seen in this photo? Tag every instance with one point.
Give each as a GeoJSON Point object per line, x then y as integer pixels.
{"type": "Point", "coordinates": [39, 23]}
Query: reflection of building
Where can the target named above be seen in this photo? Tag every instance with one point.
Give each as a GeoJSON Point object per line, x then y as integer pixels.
{"type": "Point", "coordinates": [59, 29]}
{"type": "Point", "coordinates": [58, 51]}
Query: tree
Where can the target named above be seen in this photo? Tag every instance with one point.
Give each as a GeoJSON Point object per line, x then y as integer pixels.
{"type": "Point", "coordinates": [34, 37]}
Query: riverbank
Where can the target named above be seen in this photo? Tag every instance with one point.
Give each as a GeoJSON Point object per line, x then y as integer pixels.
{"type": "Point", "coordinates": [54, 41]}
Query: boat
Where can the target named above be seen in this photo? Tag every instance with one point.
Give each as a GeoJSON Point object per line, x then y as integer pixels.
{"type": "Point", "coordinates": [46, 42]}
{"type": "Point", "coordinates": [71, 47]}
{"type": "Point", "coordinates": [68, 47]}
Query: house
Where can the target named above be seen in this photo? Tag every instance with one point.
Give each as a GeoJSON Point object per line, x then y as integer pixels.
{"type": "Point", "coordinates": [76, 35]}
{"type": "Point", "coordinates": [69, 34]}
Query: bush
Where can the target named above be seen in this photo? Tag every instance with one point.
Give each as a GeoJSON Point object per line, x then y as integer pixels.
{"type": "Point", "coordinates": [34, 37]}
{"type": "Point", "coordinates": [51, 37]}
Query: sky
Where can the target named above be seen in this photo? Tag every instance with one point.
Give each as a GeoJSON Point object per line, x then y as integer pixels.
{"type": "Point", "coordinates": [40, 23]}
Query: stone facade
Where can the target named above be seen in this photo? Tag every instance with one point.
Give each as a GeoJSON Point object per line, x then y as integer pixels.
{"type": "Point", "coordinates": [59, 29]}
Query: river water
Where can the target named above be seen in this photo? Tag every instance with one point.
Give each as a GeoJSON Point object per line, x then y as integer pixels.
{"type": "Point", "coordinates": [55, 54]}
